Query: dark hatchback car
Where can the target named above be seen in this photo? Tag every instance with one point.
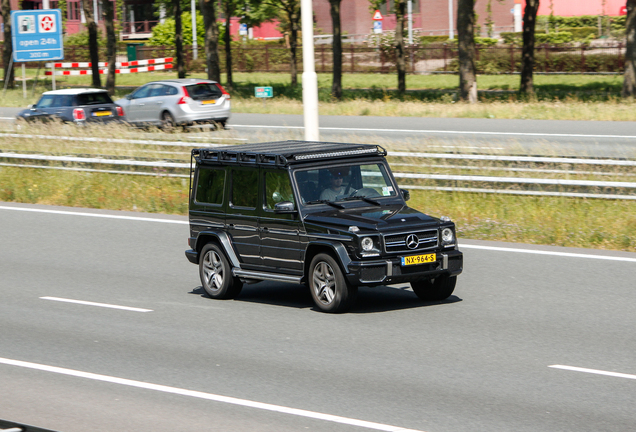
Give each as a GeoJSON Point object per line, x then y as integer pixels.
{"type": "Point", "coordinates": [328, 215]}
{"type": "Point", "coordinates": [79, 106]}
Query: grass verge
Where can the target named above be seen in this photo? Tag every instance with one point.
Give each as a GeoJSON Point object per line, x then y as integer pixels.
{"type": "Point", "coordinates": [560, 97]}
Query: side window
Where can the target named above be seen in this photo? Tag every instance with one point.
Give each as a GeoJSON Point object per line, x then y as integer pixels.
{"type": "Point", "coordinates": [46, 101]}
{"type": "Point", "coordinates": [171, 91]}
{"type": "Point", "coordinates": [277, 188]}
{"type": "Point", "coordinates": [157, 90]}
{"type": "Point", "coordinates": [245, 188]}
{"type": "Point", "coordinates": [210, 186]}
{"type": "Point", "coordinates": [141, 92]}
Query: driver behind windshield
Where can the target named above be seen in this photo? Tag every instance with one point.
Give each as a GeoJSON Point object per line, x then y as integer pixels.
{"type": "Point", "coordinates": [336, 176]}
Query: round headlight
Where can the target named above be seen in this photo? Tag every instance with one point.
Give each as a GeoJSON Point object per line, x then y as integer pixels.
{"type": "Point", "coordinates": [367, 244]}
{"type": "Point", "coordinates": [447, 235]}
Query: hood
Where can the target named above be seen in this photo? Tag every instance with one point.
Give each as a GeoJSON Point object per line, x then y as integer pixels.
{"type": "Point", "coordinates": [376, 218]}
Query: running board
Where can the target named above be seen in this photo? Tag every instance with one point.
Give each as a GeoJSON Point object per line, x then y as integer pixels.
{"type": "Point", "coordinates": [247, 274]}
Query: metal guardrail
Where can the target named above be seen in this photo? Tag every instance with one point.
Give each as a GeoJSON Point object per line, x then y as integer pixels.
{"type": "Point", "coordinates": [441, 177]}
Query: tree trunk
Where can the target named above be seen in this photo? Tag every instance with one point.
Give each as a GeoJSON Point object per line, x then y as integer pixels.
{"type": "Point", "coordinates": [629, 82]}
{"type": "Point", "coordinates": [208, 9]}
{"type": "Point", "coordinates": [466, 38]}
{"type": "Point", "coordinates": [111, 48]}
{"type": "Point", "coordinates": [527, 56]}
{"type": "Point", "coordinates": [7, 51]}
{"type": "Point", "coordinates": [400, 12]}
{"type": "Point", "coordinates": [227, 38]}
{"type": "Point", "coordinates": [336, 86]}
{"type": "Point", "coordinates": [294, 16]}
{"type": "Point", "coordinates": [93, 47]}
{"type": "Point", "coordinates": [178, 38]}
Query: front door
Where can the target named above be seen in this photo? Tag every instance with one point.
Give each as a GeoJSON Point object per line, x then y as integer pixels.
{"type": "Point", "coordinates": [280, 244]}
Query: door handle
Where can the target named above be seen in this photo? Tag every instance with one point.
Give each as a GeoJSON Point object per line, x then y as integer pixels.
{"type": "Point", "coordinates": [141, 104]}
{"type": "Point", "coordinates": [159, 103]}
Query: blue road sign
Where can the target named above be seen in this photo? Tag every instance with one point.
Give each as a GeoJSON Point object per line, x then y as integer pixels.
{"type": "Point", "coordinates": [37, 35]}
{"type": "Point", "coordinates": [377, 26]}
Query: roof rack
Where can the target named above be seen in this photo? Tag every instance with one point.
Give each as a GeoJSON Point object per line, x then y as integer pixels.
{"type": "Point", "coordinates": [283, 153]}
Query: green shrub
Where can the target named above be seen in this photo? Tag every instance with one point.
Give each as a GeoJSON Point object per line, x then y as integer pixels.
{"type": "Point", "coordinates": [485, 41]}
{"type": "Point", "coordinates": [425, 40]}
{"type": "Point", "coordinates": [553, 38]}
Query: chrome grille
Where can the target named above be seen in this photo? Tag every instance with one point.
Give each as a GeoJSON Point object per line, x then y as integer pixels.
{"type": "Point", "coordinates": [411, 241]}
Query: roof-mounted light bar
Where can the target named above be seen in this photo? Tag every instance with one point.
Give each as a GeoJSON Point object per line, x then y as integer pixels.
{"type": "Point", "coordinates": [337, 154]}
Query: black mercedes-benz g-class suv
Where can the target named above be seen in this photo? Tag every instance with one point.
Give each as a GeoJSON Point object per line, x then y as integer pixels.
{"type": "Point", "coordinates": [329, 215]}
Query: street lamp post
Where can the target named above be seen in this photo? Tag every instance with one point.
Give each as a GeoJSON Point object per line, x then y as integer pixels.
{"type": "Point", "coordinates": [194, 29]}
{"type": "Point", "coordinates": [310, 79]}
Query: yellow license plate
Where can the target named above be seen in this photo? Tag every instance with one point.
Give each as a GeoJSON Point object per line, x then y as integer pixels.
{"type": "Point", "coordinates": [418, 259]}
{"type": "Point", "coordinates": [207, 102]}
{"type": "Point", "coordinates": [102, 113]}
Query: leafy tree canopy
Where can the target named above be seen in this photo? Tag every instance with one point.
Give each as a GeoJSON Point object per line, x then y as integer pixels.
{"type": "Point", "coordinates": [163, 34]}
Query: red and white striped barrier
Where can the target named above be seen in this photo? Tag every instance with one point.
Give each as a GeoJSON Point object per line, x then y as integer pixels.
{"type": "Point", "coordinates": [157, 62]}
{"type": "Point", "coordinates": [118, 64]}
{"type": "Point", "coordinates": [117, 71]}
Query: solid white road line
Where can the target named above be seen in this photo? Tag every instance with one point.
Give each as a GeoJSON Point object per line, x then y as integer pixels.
{"type": "Point", "coordinates": [462, 246]}
{"type": "Point", "coordinates": [104, 305]}
{"type": "Point", "coordinates": [107, 216]}
{"type": "Point", "coordinates": [446, 132]}
{"type": "Point", "coordinates": [208, 396]}
{"type": "Point", "coordinates": [594, 371]}
{"type": "Point", "coordinates": [543, 252]}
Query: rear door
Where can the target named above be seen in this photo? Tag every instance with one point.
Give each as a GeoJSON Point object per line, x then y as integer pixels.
{"type": "Point", "coordinates": [242, 216]}
{"type": "Point", "coordinates": [97, 105]}
{"type": "Point", "coordinates": [206, 97]}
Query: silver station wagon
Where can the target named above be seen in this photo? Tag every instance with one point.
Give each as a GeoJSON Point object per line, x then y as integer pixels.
{"type": "Point", "coordinates": [178, 102]}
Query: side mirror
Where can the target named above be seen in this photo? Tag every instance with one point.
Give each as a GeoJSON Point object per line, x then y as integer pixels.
{"type": "Point", "coordinates": [32, 107]}
{"type": "Point", "coordinates": [284, 207]}
{"type": "Point", "coordinates": [405, 194]}
{"type": "Point", "coordinates": [129, 96]}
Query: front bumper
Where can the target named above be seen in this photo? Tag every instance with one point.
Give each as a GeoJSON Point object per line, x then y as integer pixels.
{"type": "Point", "coordinates": [390, 271]}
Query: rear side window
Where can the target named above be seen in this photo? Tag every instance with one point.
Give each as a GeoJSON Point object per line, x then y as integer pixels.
{"type": "Point", "coordinates": [94, 98]}
{"type": "Point", "coordinates": [204, 91]}
{"type": "Point", "coordinates": [244, 188]}
{"type": "Point", "coordinates": [210, 186]}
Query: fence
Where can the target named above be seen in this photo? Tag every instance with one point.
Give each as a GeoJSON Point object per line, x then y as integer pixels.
{"type": "Point", "coordinates": [434, 58]}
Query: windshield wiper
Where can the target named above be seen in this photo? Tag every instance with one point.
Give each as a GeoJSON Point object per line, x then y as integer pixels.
{"type": "Point", "coordinates": [322, 201]}
{"type": "Point", "coordinates": [363, 198]}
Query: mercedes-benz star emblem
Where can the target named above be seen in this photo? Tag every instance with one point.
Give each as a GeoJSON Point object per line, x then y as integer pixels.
{"type": "Point", "coordinates": [412, 241]}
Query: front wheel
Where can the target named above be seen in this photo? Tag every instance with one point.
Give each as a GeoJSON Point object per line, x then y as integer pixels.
{"type": "Point", "coordinates": [436, 289]}
{"type": "Point", "coordinates": [216, 274]}
{"type": "Point", "coordinates": [328, 287]}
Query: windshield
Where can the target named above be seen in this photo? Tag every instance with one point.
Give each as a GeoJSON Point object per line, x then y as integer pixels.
{"type": "Point", "coordinates": [345, 182]}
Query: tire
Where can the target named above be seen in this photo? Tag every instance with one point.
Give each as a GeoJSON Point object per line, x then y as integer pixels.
{"type": "Point", "coordinates": [436, 289]}
{"type": "Point", "coordinates": [167, 122]}
{"type": "Point", "coordinates": [329, 289]}
{"type": "Point", "coordinates": [216, 273]}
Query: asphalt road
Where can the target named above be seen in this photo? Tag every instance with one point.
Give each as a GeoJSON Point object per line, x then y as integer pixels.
{"type": "Point", "coordinates": [524, 137]}
{"type": "Point", "coordinates": [267, 361]}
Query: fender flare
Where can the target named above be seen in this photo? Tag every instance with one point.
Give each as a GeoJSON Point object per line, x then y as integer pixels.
{"type": "Point", "coordinates": [223, 240]}
{"type": "Point", "coordinates": [339, 251]}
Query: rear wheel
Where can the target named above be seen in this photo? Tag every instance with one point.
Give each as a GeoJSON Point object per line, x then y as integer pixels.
{"type": "Point", "coordinates": [436, 289]}
{"type": "Point", "coordinates": [216, 274]}
{"type": "Point", "coordinates": [167, 122]}
{"type": "Point", "coordinates": [329, 289]}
